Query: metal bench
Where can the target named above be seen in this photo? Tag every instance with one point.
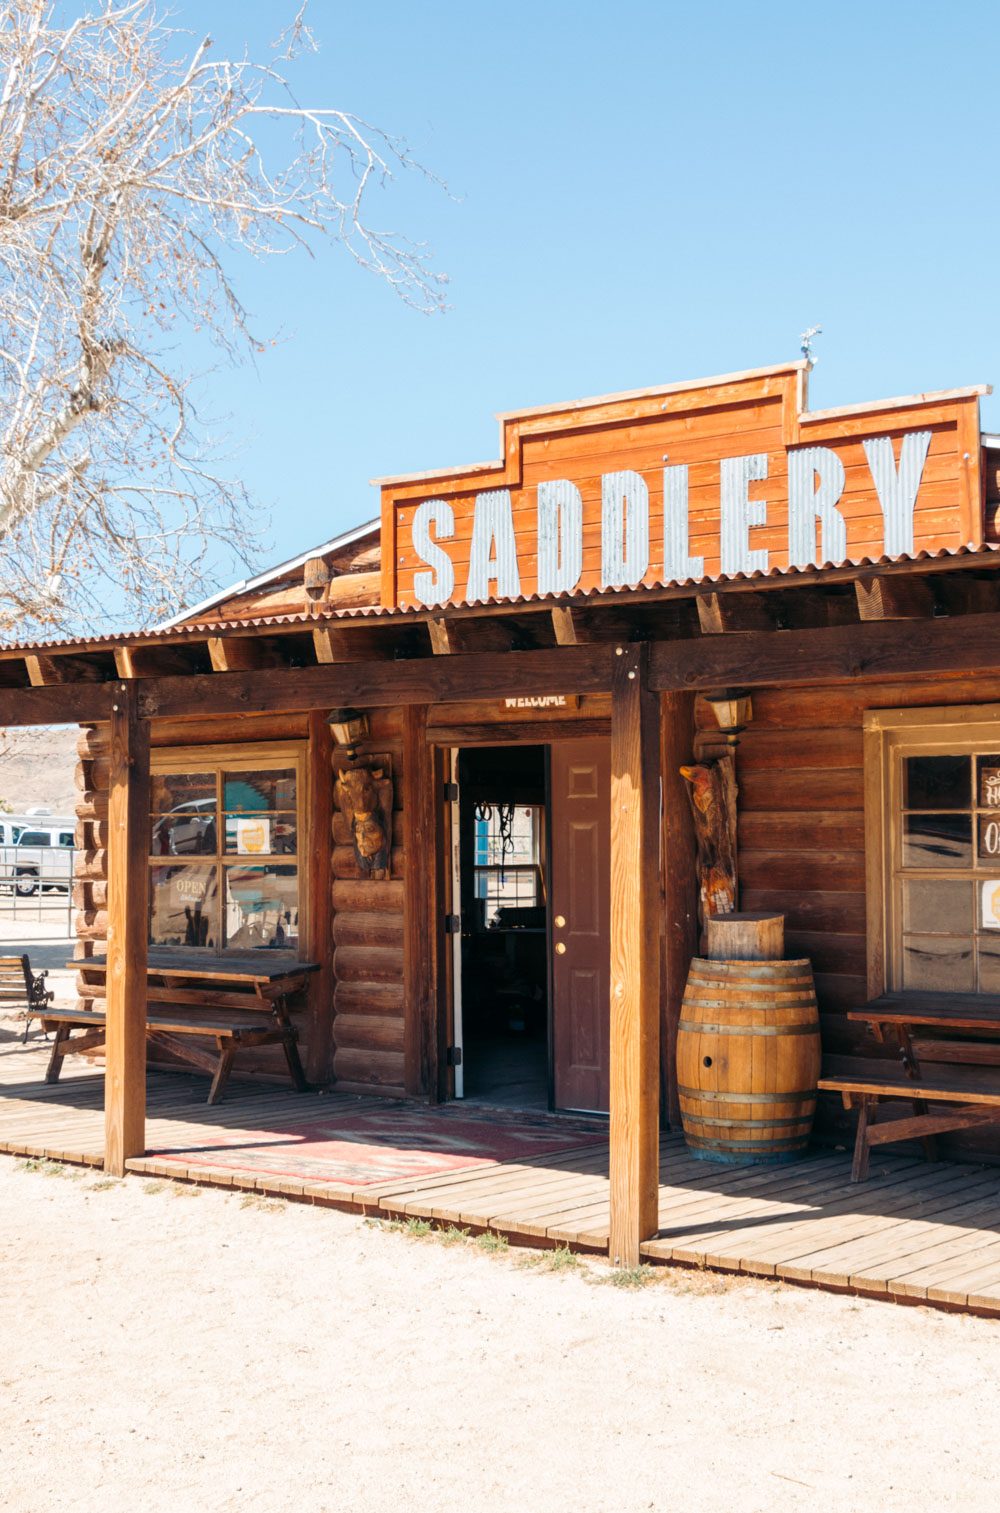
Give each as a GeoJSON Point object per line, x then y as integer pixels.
{"type": "Point", "coordinates": [19, 984]}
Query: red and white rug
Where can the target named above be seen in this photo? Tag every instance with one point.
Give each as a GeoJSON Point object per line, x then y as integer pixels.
{"type": "Point", "coordinates": [361, 1150]}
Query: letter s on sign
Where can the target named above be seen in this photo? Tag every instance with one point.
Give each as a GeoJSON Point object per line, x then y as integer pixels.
{"type": "Point", "coordinates": [438, 586]}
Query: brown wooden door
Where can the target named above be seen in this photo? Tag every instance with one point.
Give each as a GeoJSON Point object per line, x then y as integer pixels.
{"type": "Point", "coordinates": [580, 808]}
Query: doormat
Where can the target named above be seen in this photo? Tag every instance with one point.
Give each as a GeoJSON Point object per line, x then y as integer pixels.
{"type": "Point", "coordinates": [363, 1149]}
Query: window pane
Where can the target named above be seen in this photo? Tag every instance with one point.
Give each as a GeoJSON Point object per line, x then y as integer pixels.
{"type": "Point", "coordinates": [989, 904]}
{"type": "Point", "coordinates": [988, 829]}
{"type": "Point", "coordinates": [257, 792]}
{"type": "Point", "coordinates": [937, 840]}
{"type": "Point", "coordinates": [179, 790]}
{"type": "Point", "coordinates": [939, 965]}
{"type": "Point", "coordinates": [989, 963]}
{"type": "Point", "coordinates": [261, 834]}
{"type": "Point", "coordinates": [988, 781]}
{"type": "Point", "coordinates": [938, 782]}
{"type": "Point", "coordinates": [190, 831]}
{"type": "Point", "coordinates": [938, 907]}
{"type": "Point", "coordinates": [183, 905]}
{"type": "Point", "coordinates": [262, 907]}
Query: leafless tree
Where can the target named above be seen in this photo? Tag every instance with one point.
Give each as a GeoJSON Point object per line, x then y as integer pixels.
{"type": "Point", "coordinates": [133, 165]}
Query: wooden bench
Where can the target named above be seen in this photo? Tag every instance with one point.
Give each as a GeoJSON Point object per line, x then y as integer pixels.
{"type": "Point", "coordinates": [944, 1064]}
{"type": "Point", "coordinates": [224, 1003]}
{"type": "Point", "coordinates": [19, 984]}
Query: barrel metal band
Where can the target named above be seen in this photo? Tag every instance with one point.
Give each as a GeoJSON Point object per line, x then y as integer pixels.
{"type": "Point", "coordinates": [700, 1095]}
{"type": "Point", "coordinates": [757, 1147]}
{"type": "Point", "coordinates": [697, 1026]}
{"type": "Point", "coordinates": [743, 1006]}
{"type": "Point", "coordinates": [746, 1123]}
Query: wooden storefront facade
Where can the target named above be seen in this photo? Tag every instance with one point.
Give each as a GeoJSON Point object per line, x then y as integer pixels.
{"type": "Point", "coordinates": [578, 600]}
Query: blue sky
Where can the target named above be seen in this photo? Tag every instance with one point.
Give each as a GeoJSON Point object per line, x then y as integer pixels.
{"type": "Point", "coordinates": [641, 193]}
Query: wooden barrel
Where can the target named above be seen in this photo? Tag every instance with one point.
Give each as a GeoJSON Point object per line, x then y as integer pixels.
{"type": "Point", "coordinates": [748, 1060]}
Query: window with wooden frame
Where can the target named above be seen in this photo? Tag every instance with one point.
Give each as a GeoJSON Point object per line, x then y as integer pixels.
{"type": "Point", "coordinates": [932, 827]}
{"type": "Point", "coordinates": [225, 830]}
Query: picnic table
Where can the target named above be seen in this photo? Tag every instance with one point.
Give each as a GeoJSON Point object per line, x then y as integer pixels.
{"type": "Point", "coordinates": [238, 1002]}
{"type": "Point", "coordinates": [947, 1044]}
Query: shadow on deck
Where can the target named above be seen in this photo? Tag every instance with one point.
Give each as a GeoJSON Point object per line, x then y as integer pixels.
{"type": "Point", "coordinates": [913, 1232]}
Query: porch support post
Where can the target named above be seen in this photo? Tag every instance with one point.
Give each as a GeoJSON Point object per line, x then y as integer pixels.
{"type": "Point", "coordinates": [636, 923]}
{"type": "Point", "coordinates": [128, 847]}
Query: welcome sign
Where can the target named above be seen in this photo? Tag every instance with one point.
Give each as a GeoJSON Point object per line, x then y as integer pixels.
{"type": "Point", "coordinates": [714, 478]}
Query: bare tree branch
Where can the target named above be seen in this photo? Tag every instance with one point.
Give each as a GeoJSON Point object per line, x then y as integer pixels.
{"type": "Point", "coordinates": [133, 163]}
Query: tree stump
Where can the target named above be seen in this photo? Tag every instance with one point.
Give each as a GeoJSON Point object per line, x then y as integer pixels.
{"type": "Point", "coordinates": [746, 937]}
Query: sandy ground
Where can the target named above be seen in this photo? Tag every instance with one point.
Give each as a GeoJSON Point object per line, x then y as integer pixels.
{"type": "Point", "coordinates": [165, 1348]}
{"type": "Point", "coordinates": [37, 767]}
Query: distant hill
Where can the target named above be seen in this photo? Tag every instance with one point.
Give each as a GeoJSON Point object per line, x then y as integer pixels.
{"type": "Point", "coordinates": [37, 768]}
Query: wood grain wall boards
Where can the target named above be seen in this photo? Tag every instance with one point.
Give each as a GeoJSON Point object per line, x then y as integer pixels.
{"type": "Point", "coordinates": [424, 958]}
{"type": "Point", "coordinates": [802, 840]}
{"type": "Point", "coordinates": [367, 935]}
{"type": "Point", "coordinates": [679, 885]}
{"type": "Point", "coordinates": [319, 890]}
{"type": "Point", "coordinates": [693, 430]}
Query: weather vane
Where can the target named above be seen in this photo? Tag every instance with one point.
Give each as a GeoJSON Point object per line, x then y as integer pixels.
{"type": "Point", "coordinates": [806, 339]}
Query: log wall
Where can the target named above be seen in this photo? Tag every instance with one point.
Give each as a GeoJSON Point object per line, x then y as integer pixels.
{"type": "Point", "coordinates": [801, 842]}
{"type": "Point", "coordinates": [368, 942]}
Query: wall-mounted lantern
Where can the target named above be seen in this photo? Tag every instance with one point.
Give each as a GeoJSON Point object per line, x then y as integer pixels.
{"type": "Point", "coordinates": [733, 711]}
{"type": "Point", "coordinates": [349, 726]}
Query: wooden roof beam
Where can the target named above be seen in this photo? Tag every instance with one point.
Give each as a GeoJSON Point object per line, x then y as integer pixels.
{"type": "Point", "coordinates": [316, 577]}
{"type": "Point", "coordinates": [833, 654]}
{"type": "Point", "coordinates": [895, 598]}
{"type": "Point", "coordinates": [352, 642]}
{"type": "Point", "coordinates": [45, 669]}
{"type": "Point", "coordinates": [442, 637]}
{"type": "Point", "coordinates": [577, 670]}
{"type": "Point", "coordinates": [569, 625]}
{"type": "Point", "coordinates": [734, 614]}
{"type": "Point", "coordinates": [41, 670]}
{"type": "Point", "coordinates": [235, 653]}
{"type": "Point", "coordinates": [162, 661]}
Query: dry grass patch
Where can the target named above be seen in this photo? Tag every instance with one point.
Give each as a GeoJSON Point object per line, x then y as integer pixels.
{"type": "Point", "coordinates": [261, 1203]}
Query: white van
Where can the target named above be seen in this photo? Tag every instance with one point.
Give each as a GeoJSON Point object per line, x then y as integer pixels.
{"type": "Point", "coordinates": [36, 847]}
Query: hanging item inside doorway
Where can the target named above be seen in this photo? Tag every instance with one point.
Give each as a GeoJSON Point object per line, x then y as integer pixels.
{"type": "Point", "coordinates": [363, 794]}
{"type": "Point", "coordinates": [505, 828]}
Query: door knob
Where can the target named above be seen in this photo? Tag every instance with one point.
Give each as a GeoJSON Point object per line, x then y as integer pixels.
{"type": "Point", "coordinates": [561, 948]}
{"type": "Point", "coordinates": [560, 922]}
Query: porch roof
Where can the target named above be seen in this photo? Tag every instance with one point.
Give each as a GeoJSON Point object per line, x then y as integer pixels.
{"type": "Point", "coordinates": [187, 628]}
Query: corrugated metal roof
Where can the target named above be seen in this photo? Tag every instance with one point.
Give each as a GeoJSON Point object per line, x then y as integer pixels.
{"type": "Point", "coordinates": [370, 528]}
{"type": "Point", "coordinates": [790, 577]}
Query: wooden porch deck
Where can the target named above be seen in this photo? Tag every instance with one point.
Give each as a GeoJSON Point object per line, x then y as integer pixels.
{"type": "Point", "coordinates": [914, 1232]}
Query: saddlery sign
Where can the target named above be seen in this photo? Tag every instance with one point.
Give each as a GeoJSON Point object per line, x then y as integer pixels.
{"type": "Point", "coordinates": [714, 478]}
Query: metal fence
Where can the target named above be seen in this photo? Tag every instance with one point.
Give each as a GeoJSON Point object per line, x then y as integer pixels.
{"type": "Point", "coordinates": [36, 886]}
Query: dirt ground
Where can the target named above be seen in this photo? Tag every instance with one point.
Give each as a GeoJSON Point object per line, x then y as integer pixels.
{"type": "Point", "coordinates": [169, 1348]}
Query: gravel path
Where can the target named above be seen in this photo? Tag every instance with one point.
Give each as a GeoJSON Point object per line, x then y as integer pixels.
{"type": "Point", "coordinates": [166, 1348]}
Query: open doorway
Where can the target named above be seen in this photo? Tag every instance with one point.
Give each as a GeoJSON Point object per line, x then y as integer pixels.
{"type": "Point", "coordinates": [503, 892]}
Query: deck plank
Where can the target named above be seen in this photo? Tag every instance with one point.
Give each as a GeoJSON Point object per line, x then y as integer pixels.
{"type": "Point", "coordinates": [929, 1233]}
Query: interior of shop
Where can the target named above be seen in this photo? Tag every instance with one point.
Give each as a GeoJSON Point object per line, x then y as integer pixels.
{"type": "Point", "coordinates": [504, 913]}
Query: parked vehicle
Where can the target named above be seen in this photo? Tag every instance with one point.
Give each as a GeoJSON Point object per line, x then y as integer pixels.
{"type": "Point", "coordinates": [36, 850]}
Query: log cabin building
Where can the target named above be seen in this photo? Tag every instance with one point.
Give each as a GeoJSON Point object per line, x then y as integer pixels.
{"type": "Point", "coordinates": [440, 756]}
